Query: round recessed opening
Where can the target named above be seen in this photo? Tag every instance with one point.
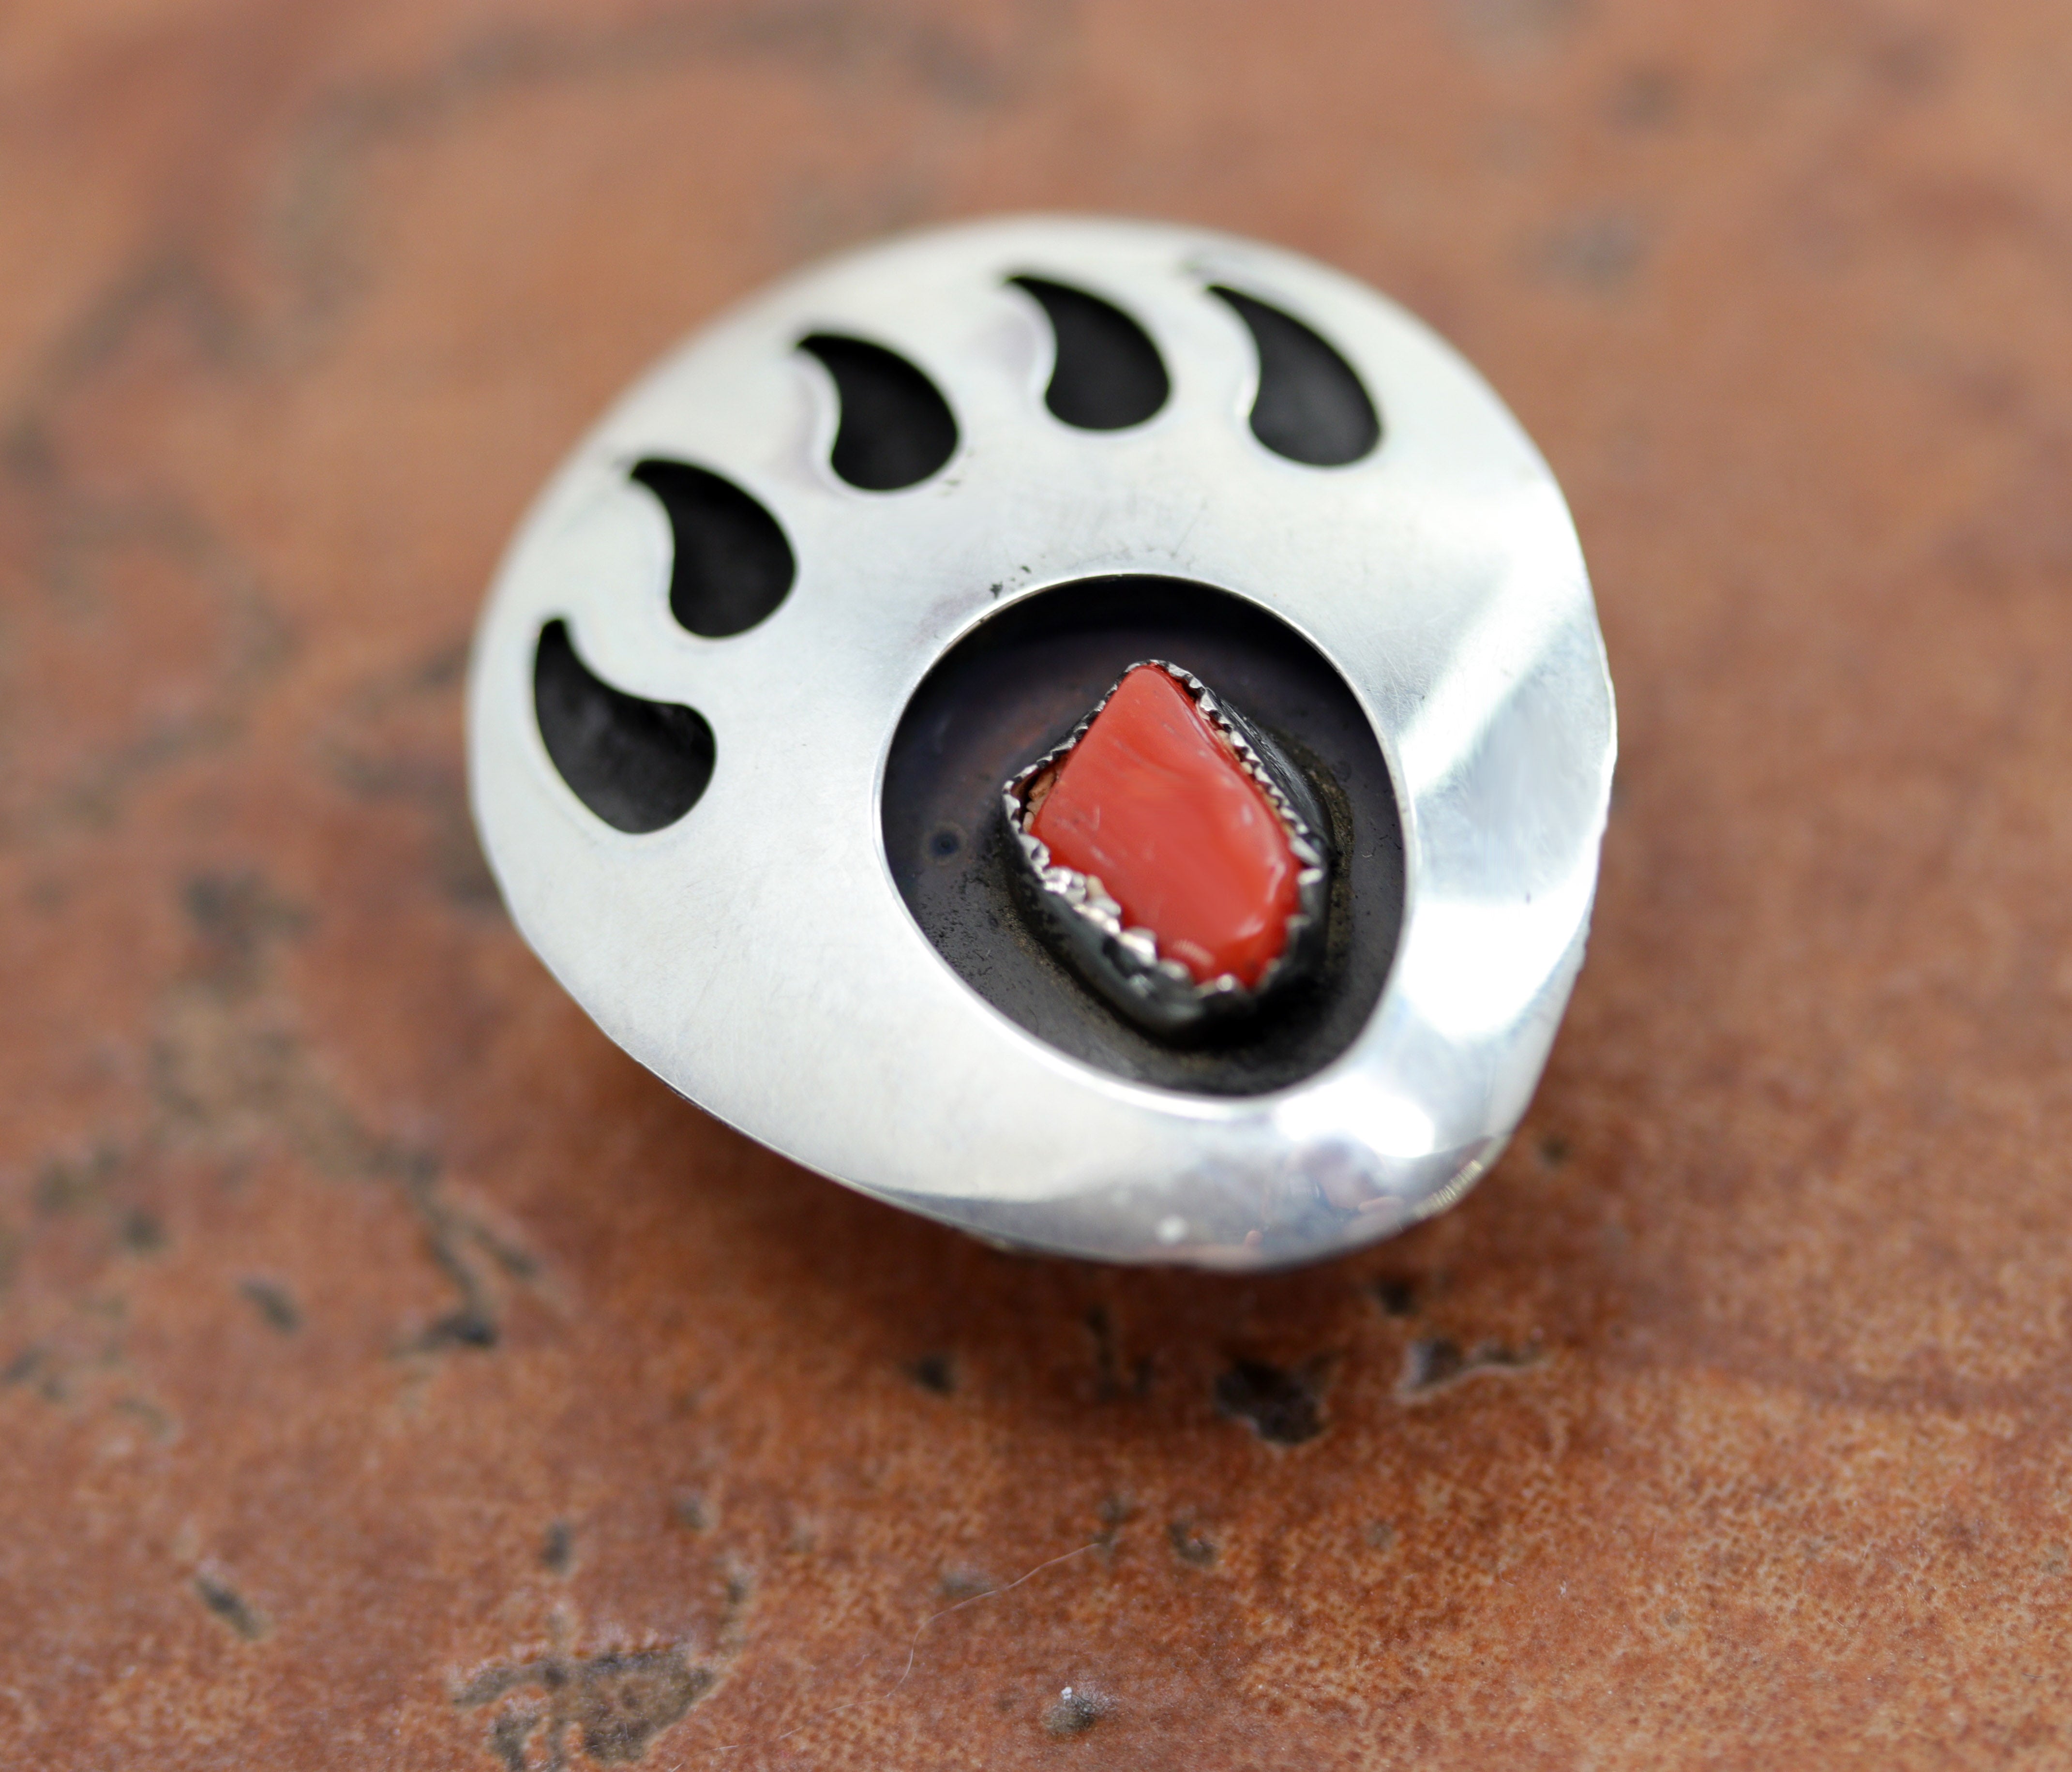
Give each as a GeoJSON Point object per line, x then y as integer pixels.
{"type": "Point", "coordinates": [1013, 688]}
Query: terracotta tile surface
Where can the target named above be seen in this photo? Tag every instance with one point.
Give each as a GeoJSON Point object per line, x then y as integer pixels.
{"type": "Point", "coordinates": [396, 1375]}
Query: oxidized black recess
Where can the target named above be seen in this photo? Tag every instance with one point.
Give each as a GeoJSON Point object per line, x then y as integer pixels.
{"type": "Point", "coordinates": [1012, 690]}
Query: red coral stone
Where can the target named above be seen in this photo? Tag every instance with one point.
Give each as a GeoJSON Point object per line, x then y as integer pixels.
{"type": "Point", "coordinates": [1152, 802]}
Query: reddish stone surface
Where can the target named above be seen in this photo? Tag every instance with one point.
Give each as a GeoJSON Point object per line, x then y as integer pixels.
{"type": "Point", "coordinates": [1155, 805]}
{"type": "Point", "coordinates": [396, 1375]}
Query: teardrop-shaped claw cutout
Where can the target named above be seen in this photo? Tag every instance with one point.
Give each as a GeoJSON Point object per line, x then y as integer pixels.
{"type": "Point", "coordinates": [639, 765]}
{"type": "Point", "coordinates": [1108, 375]}
{"type": "Point", "coordinates": [896, 428]}
{"type": "Point", "coordinates": [1311, 408]}
{"type": "Point", "coordinates": [733, 565]}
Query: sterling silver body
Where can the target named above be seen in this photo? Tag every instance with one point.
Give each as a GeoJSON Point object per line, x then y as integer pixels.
{"type": "Point", "coordinates": [757, 954]}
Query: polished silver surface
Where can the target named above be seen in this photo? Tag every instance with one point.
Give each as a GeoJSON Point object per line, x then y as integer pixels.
{"type": "Point", "coordinates": [757, 954]}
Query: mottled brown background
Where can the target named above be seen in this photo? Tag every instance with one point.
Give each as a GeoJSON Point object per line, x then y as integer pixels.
{"type": "Point", "coordinates": [393, 1375]}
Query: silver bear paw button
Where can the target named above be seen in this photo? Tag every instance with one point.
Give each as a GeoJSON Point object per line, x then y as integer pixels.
{"type": "Point", "coordinates": [1095, 732]}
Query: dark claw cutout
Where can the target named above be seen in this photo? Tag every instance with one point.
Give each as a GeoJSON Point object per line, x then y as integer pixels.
{"type": "Point", "coordinates": [1311, 407]}
{"type": "Point", "coordinates": [896, 428]}
{"type": "Point", "coordinates": [733, 565]}
{"type": "Point", "coordinates": [1108, 374]}
{"type": "Point", "coordinates": [639, 765]}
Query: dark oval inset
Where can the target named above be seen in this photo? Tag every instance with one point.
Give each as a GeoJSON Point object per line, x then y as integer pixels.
{"type": "Point", "coordinates": [1311, 408]}
{"type": "Point", "coordinates": [639, 765]}
{"type": "Point", "coordinates": [1014, 687]}
{"type": "Point", "coordinates": [732, 565]}
{"type": "Point", "coordinates": [1108, 375]}
{"type": "Point", "coordinates": [896, 428]}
